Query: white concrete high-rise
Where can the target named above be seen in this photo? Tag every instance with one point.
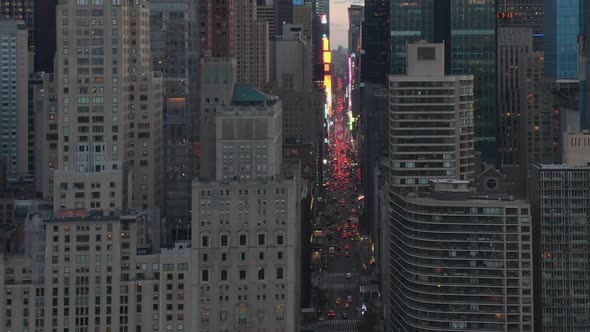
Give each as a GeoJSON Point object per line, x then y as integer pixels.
{"type": "Point", "coordinates": [431, 121]}
{"type": "Point", "coordinates": [109, 106]}
{"type": "Point", "coordinates": [14, 96]}
{"type": "Point", "coordinates": [246, 223]}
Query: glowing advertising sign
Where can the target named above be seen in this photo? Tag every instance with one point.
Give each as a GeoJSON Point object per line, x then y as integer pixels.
{"type": "Point", "coordinates": [325, 44]}
{"type": "Point", "coordinates": [327, 57]}
{"type": "Point", "coordinates": [324, 18]}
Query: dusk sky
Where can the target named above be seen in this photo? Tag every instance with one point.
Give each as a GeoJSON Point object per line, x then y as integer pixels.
{"type": "Point", "coordinates": [339, 21]}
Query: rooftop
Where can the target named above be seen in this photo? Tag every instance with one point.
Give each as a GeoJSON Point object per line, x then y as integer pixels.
{"type": "Point", "coordinates": [247, 94]}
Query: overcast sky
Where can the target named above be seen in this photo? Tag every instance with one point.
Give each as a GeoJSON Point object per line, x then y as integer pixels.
{"type": "Point", "coordinates": [339, 21]}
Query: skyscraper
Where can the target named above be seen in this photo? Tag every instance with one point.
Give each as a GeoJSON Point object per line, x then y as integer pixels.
{"type": "Point", "coordinates": [44, 35]}
{"type": "Point", "coordinates": [559, 197]}
{"type": "Point", "coordinates": [468, 29]}
{"type": "Point", "coordinates": [514, 43]}
{"type": "Point", "coordinates": [455, 258]}
{"type": "Point", "coordinates": [563, 23]}
{"type": "Point", "coordinates": [14, 96]}
{"type": "Point", "coordinates": [375, 35]}
{"type": "Point", "coordinates": [109, 106]}
{"type": "Point", "coordinates": [585, 68]}
{"type": "Point", "coordinates": [217, 26]}
{"type": "Point", "coordinates": [431, 121]}
{"type": "Point", "coordinates": [294, 85]}
{"type": "Point", "coordinates": [252, 45]}
{"type": "Point", "coordinates": [175, 54]}
{"type": "Point", "coordinates": [523, 13]}
{"type": "Point", "coordinates": [246, 229]}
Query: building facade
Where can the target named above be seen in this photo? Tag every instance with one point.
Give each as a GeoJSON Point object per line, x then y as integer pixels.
{"type": "Point", "coordinates": [14, 66]}
{"type": "Point", "coordinates": [523, 14]}
{"type": "Point", "coordinates": [458, 263]}
{"type": "Point", "coordinates": [252, 41]}
{"type": "Point", "coordinates": [246, 232]}
{"type": "Point", "coordinates": [559, 196]}
{"type": "Point", "coordinates": [430, 121]}
{"type": "Point", "coordinates": [563, 23]}
{"type": "Point", "coordinates": [468, 30]}
{"type": "Point", "coordinates": [217, 26]}
{"type": "Point", "coordinates": [99, 81]}
{"type": "Point", "coordinates": [84, 273]}
{"type": "Point", "coordinates": [375, 53]}
{"type": "Point", "coordinates": [513, 44]}
{"type": "Point", "coordinates": [542, 115]}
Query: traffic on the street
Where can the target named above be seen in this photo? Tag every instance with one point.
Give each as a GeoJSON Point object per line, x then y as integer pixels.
{"type": "Point", "coordinates": [340, 253]}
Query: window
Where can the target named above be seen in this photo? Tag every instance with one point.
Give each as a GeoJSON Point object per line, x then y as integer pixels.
{"type": "Point", "coordinates": [242, 274]}
{"type": "Point", "coordinates": [243, 239]}
{"type": "Point", "coordinates": [261, 273]}
{"type": "Point", "coordinates": [279, 273]}
{"type": "Point", "coordinates": [224, 240]}
{"type": "Point", "coordinates": [205, 241]}
{"type": "Point", "coordinates": [261, 255]}
{"type": "Point", "coordinates": [261, 239]}
{"type": "Point", "coordinates": [280, 239]}
{"type": "Point", "coordinates": [205, 275]}
{"type": "Point", "coordinates": [223, 275]}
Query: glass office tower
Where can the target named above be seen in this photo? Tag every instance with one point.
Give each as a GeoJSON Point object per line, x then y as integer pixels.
{"type": "Point", "coordinates": [562, 26]}
{"type": "Point", "coordinates": [468, 29]}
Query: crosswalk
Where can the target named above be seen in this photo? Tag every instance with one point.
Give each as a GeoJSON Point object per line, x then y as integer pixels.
{"type": "Point", "coordinates": [339, 322]}
{"type": "Point", "coordinates": [338, 286]}
{"type": "Point", "coordinates": [338, 275]}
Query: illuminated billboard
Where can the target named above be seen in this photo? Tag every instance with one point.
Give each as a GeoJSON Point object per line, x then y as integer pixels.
{"type": "Point", "coordinates": [324, 19]}
{"type": "Point", "coordinates": [327, 57]}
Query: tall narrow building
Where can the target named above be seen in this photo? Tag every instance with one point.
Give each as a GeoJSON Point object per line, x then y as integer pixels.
{"type": "Point", "coordinates": [173, 26]}
{"type": "Point", "coordinates": [468, 29]}
{"type": "Point", "coordinates": [218, 76]}
{"type": "Point", "coordinates": [560, 194]}
{"type": "Point", "coordinates": [514, 45]}
{"type": "Point", "coordinates": [431, 122]}
{"type": "Point", "coordinates": [14, 97]}
{"type": "Point", "coordinates": [252, 41]}
{"type": "Point", "coordinates": [109, 106]}
{"type": "Point", "coordinates": [217, 26]}
{"type": "Point", "coordinates": [246, 229]}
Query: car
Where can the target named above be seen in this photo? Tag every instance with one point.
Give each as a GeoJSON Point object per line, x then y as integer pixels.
{"type": "Point", "coordinates": [348, 275]}
{"type": "Point", "coordinates": [347, 306]}
{"type": "Point", "coordinates": [347, 247]}
{"type": "Point", "coordinates": [344, 315]}
{"type": "Point", "coordinates": [331, 314]}
{"type": "Point", "coordinates": [349, 299]}
{"type": "Point", "coordinates": [321, 318]}
{"type": "Point", "coordinates": [338, 300]}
